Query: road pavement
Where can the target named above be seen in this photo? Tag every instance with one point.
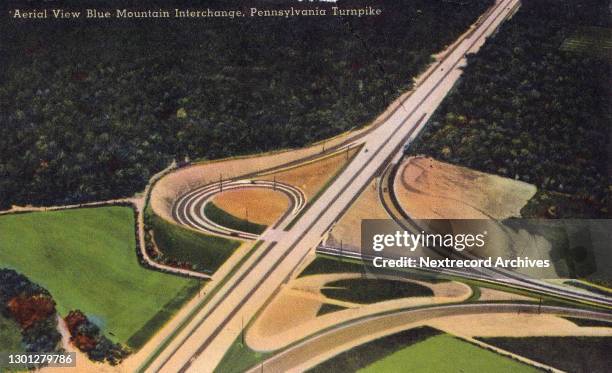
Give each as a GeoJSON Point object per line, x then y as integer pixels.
{"type": "Point", "coordinates": [211, 333]}
{"type": "Point", "coordinates": [323, 346]}
{"type": "Point", "coordinates": [189, 209]}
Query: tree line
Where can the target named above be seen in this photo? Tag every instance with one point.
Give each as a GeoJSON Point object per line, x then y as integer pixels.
{"type": "Point", "coordinates": [526, 109]}
{"type": "Point", "coordinates": [89, 110]}
{"type": "Point", "coordinates": [33, 309]}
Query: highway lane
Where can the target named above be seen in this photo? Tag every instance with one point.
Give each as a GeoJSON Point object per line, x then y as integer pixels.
{"type": "Point", "coordinates": [207, 343]}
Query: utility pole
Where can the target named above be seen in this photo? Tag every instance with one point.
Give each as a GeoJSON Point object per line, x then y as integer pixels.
{"type": "Point", "coordinates": [274, 184]}
{"type": "Point", "coordinates": [242, 330]}
{"type": "Point", "coordinates": [220, 182]}
{"type": "Point", "coordinates": [540, 306]}
{"type": "Point", "coordinates": [347, 151]}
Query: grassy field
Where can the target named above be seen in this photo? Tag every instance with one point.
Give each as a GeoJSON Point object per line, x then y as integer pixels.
{"type": "Point", "coordinates": [445, 353]}
{"type": "Point", "coordinates": [368, 353]}
{"type": "Point", "coordinates": [239, 358]}
{"type": "Point", "coordinates": [329, 308]}
{"type": "Point", "coordinates": [368, 291]}
{"type": "Point", "coordinates": [10, 336]}
{"type": "Point", "coordinates": [324, 265]}
{"type": "Point", "coordinates": [207, 252]}
{"type": "Point", "coordinates": [141, 337]}
{"type": "Point", "coordinates": [601, 287]}
{"type": "Point", "coordinates": [230, 221]}
{"type": "Point", "coordinates": [589, 322]}
{"type": "Point", "coordinates": [87, 260]}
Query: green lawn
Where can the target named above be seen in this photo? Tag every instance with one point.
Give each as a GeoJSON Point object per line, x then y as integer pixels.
{"type": "Point", "coordinates": [445, 353]}
{"type": "Point", "coordinates": [324, 265]}
{"type": "Point", "coordinates": [87, 260]}
{"type": "Point", "coordinates": [10, 336]}
{"type": "Point", "coordinates": [239, 357]}
{"type": "Point", "coordinates": [373, 351]}
{"type": "Point", "coordinates": [329, 308]}
{"type": "Point", "coordinates": [367, 291]}
{"type": "Point", "coordinates": [589, 322]}
{"type": "Point", "coordinates": [207, 252]}
{"type": "Point", "coordinates": [228, 220]}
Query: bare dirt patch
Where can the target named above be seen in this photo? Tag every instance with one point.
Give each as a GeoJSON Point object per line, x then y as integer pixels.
{"type": "Point", "coordinates": [276, 328]}
{"type": "Point", "coordinates": [429, 189]}
{"type": "Point", "coordinates": [513, 325]}
{"type": "Point", "coordinates": [348, 228]}
{"type": "Point", "coordinates": [312, 176]}
{"type": "Point", "coordinates": [487, 294]}
{"type": "Point", "coordinates": [257, 205]}
{"type": "Point", "coordinates": [174, 184]}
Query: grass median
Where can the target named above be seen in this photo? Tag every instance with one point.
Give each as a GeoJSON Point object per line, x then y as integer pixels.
{"type": "Point", "coordinates": [206, 252]}
{"type": "Point", "coordinates": [367, 291]}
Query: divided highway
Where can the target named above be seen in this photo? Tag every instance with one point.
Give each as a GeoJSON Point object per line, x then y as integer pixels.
{"type": "Point", "coordinates": [204, 341]}
{"type": "Point", "coordinates": [324, 345]}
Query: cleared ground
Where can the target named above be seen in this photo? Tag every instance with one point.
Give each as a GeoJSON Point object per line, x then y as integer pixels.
{"type": "Point", "coordinates": [312, 176]}
{"type": "Point", "coordinates": [487, 294]}
{"type": "Point", "coordinates": [348, 229]}
{"type": "Point", "coordinates": [257, 205]}
{"type": "Point", "coordinates": [87, 260]}
{"type": "Point", "coordinates": [429, 189]}
{"type": "Point", "coordinates": [276, 328]}
{"type": "Point", "coordinates": [445, 353]}
{"type": "Point", "coordinates": [514, 325]}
